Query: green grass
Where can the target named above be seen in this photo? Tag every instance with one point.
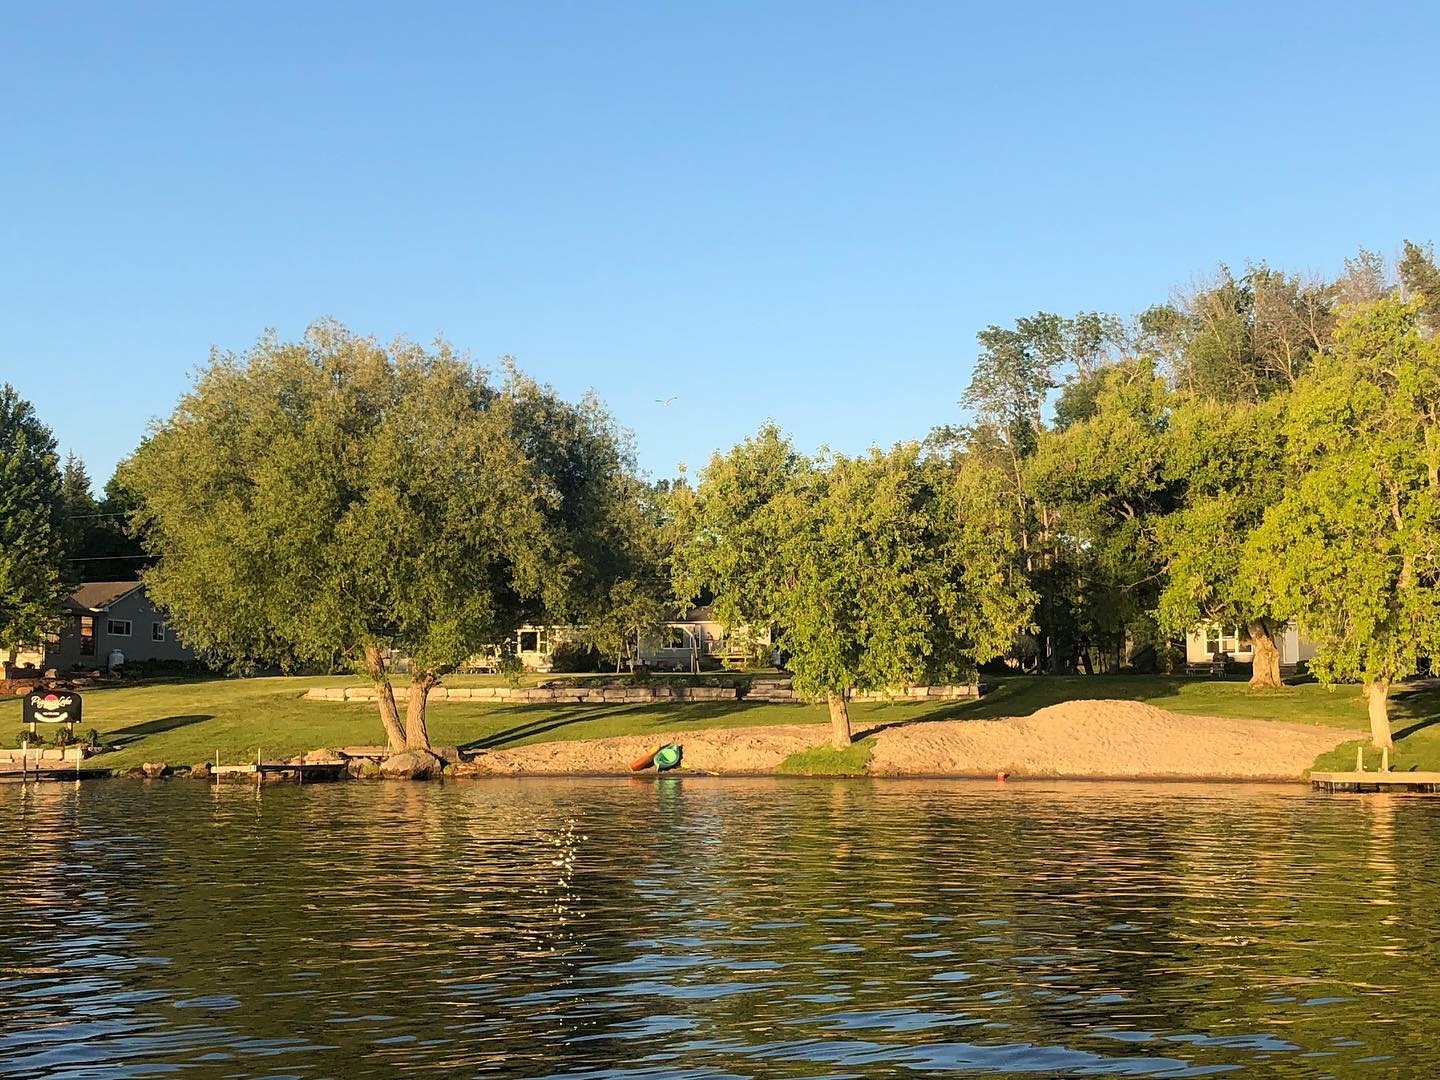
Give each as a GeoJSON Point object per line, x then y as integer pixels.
{"type": "Point", "coordinates": [827, 761]}
{"type": "Point", "coordinates": [185, 721]}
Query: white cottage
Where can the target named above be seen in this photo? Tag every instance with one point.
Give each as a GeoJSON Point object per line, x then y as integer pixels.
{"type": "Point", "coordinates": [1204, 644]}
{"type": "Point", "coordinates": [694, 640]}
{"type": "Point", "coordinates": [697, 638]}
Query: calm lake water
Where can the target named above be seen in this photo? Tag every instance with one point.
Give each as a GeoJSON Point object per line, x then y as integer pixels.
{"type": "Point", "coordinates": [716, 928]}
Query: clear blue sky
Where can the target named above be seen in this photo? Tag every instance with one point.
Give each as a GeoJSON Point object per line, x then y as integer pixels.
{"type": "Point", "coordinates": [795, 210]}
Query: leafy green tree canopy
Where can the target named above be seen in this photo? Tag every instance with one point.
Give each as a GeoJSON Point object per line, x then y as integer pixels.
{"type": "Point", "coordinates": [1354, 543]}
{"type": "Point", "coordinates": [333, 500]}
{"type": "Point", "coordinates": [877, 571]}
{"type": "Point", "coordinates": [1227, 463]}
{"type": "Point", "coordinates": [32, 585]}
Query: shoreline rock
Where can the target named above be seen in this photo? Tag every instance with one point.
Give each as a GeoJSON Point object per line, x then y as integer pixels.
{"type": "Point", "coordinates": [413, 765]}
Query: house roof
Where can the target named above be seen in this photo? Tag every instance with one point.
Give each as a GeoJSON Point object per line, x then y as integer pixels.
{"type": "Point", "coordinates": [99, 595]}
{"type": "Point", "coordinates": [701, 613]}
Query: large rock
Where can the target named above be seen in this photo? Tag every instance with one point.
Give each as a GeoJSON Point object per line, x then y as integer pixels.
{"type": "Point", "coordinates": [154, 770]}
{"type": "Point", "coordinates": [413, 765]}
{"type": "Point", "coordinates": [200, 771]}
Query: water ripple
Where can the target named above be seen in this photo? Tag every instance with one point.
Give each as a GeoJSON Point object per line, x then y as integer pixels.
{"type": "Point", "coordinates": [714, 929]}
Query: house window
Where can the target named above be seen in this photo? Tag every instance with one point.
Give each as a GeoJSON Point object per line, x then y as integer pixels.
{"type": "Point", "coordinates": [118, 627]}
{"type": "Point", "coordinates": [87, 635]}
{"type": "Point", "coordinates": [535, 641]}
{"type": "Point", "coordinates": [157, 631]}
{"type": "Point", "coordinates": [1226, 639]}
{"type": "Point", "coordinates": [674, 637]}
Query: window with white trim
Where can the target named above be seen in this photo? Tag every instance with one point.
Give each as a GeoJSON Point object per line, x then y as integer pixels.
{"type": "Point", "coordinates": [1226, 639]}
{"type": "Point", "coordinates": [157, 631]}
{"type": "Point", "coordinates": [118, 627]}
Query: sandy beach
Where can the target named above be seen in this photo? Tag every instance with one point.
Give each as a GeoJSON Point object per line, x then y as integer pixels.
{"type": "Point", "coordinates": [1077, 738]}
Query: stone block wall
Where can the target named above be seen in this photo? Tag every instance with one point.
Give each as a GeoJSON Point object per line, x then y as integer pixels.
{"type": "Point", "coordinates": [767, 690]}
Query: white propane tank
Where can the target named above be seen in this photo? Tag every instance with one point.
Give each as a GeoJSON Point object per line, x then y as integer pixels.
{"type": "Point", "coordinates": [116, 659]}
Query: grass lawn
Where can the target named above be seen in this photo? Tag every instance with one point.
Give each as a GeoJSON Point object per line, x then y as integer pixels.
{"type": "Point", "coordinates": [827, 761]}
{"type": "Point", "coordinates": [185, 721]}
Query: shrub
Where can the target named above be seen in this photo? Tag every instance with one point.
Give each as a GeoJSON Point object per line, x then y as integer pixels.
{"type": "Point", "coordinates": [573, 656]}
{"type": "Point", "coordinates": [63, 737]}
{"type": "Point", "coordinates": [509, 668]}
{"type": "Point", "coordinates": [152, 669]}
{"type": "Point", "coordinates": [26, 739]}
{"type": "Point", "coordinates": [92, 739]}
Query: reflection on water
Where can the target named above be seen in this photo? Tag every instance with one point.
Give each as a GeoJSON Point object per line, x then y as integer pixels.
{"type": "Point", "coordinates": [715, 928]}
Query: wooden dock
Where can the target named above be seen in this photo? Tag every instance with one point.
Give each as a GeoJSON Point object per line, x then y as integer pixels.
{"type": "Point", "coordinates": [306, 773]}
{"type": "Point", "coordinates": [1428, 782]}
{"type": "Point", "coordinates": [52, 772]}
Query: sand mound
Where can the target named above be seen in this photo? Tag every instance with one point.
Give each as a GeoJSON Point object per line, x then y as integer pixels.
{"type": "Point", "coordinates": [1104, 738]}
{"type": "Point", "coordinates": [1076, 738]}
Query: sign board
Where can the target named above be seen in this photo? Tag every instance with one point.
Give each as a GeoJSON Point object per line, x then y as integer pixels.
{"type": "Point", "coordinates": [51, 707]}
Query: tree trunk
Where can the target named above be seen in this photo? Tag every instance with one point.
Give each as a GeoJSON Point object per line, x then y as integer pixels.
{"type": "Point", "coordinates": [1265, 670]}
{"type": "Point", "coordinates": [1377, 694]}
{"type": "Point", "coordinates": [416, 737]}
{"type": "Point", "coordinates": [385, 698]}
{"type": "Point", "coordinates": [839, 720]}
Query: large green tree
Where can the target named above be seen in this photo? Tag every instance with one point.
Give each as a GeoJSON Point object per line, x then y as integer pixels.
{"type": "Point", "coordinates": [98, 546]}
{"type": "Point", "coordinates": [333, 500]}
{"type": "Point", "coordinates": [1236, 346]}
{"type": "Point", "coordinates": [1017, 369]}
{"type": "Point", "coordinates": [1228, 464]}
{"type": "Point", "coordinates": [876, 571]}
{"type": "Point", "coordinates": [1354, 542]}
{"type": "Point", "coordinates": [32, 542]}
{"type": "Point", "coordinates": [1103, 474]}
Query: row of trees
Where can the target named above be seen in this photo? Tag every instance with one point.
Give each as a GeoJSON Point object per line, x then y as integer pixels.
{"type": "Point", "coordinates": [1261, 450]}
{"type": "Point", "coordinates": [54, 532]}
{"type": "Point", "coordinates": [1265, 448]}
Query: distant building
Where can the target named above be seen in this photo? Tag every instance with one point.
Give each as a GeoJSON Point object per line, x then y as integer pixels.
{"type": "Point", "coordinates": [687, 643]}
{"type": "Point", "coordinates": [698, 639]}
{"type": "Point", "coordinates": [1204, 644]}
{"type": "Point", "coordinates": [104, 618]}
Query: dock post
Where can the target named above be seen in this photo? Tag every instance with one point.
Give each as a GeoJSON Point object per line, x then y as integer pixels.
{"type": "Point", "coordinates": [1384, 759]}
{"type": "Point", "coordinates": [1360, 758]}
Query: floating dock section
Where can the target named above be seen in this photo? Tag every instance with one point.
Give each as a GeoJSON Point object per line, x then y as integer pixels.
{"type": "Point", "coordinates": [305, 773]}
{"type": "Point", "coordinates": [1424, 782]}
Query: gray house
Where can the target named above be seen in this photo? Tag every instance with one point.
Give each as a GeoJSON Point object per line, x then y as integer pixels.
{"type": "Point", "coordinates": [103, 618]}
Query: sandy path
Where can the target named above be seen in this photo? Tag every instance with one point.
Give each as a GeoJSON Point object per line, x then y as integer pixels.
{"type": "Point", "coordinates": [1076, 738]}
{"type": "Point", "coordinates": [1105, 738]}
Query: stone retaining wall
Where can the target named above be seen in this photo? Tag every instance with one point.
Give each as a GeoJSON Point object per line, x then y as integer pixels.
{"type": "Point", "coordinates": [42, 755]}
{"type": "Point", "coordinates": [771, 691]}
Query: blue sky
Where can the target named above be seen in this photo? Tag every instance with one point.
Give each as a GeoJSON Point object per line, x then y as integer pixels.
{"type": "Point", "coordinates": [793, 210]}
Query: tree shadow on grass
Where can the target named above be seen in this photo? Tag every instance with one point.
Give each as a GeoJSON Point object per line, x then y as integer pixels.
{"type": "Point", "coordinates": [546, 720]}
{"type": "Point", "coordinates": [1420, 704]}
{"type": "Point", "coordinates": [135, 732]}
